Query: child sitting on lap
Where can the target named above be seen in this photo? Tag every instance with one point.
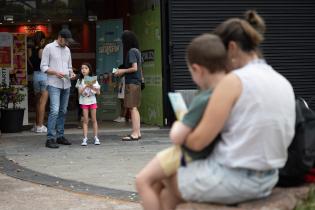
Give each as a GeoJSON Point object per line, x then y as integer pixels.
{"type": "Point", "coordinates": [206, 60]}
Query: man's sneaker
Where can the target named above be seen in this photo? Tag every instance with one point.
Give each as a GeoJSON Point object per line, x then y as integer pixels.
{"type": "Point", "coordinates": [50, 143]}
{"type": "Point", "coordinates": [120, 119]}
{"type": "Point", "coordinates": [63, 140]}
{"type": "Point", "coordinates": [96, 141]}
{"type": "Point", "coordinates": [42, 129]}
{"type": "Point", "coordinates": [84, 142]}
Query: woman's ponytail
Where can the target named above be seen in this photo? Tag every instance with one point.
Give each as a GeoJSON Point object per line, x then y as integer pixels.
{"type": "Point", "coordinates": [248, 33]}
{"type": "Point", "coordinates": [255, 21]}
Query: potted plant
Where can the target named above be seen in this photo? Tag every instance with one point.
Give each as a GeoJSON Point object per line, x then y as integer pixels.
{"type": "Point", "coordinates": [11, 114]}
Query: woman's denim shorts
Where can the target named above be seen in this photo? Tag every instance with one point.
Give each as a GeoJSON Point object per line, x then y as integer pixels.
{"type": "Point", "coordinates": [208, 181]}
{"type": "Point", "coordinates": [39, 81]}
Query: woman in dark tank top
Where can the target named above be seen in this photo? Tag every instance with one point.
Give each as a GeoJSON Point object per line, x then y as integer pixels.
{"type": "Point", "coordinates": [133, 77]}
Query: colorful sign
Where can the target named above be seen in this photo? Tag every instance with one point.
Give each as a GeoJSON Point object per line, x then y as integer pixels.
{"type": "Point", "coordinates": [147, 26]}
{"type": "Point", "coordinates": [109, 55]}
{"type": "Point", "coordinates": [5, 50]}
{"type": "Point", "coordinates": [18, 75]}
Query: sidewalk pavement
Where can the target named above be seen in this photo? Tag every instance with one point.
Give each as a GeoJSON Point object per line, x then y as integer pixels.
{"type": "Point", "coordinates": [107, 170]}
{"type": "Point", "coordinates": [16, 195]}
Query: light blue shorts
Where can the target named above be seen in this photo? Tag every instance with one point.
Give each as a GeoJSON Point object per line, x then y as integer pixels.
{"type": "Point", "coordinates": [39, 81]}
{"type": "Point", "coordinates": [208, 181]}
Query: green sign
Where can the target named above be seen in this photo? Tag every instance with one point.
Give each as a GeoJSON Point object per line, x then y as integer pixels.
{"type": "Point", "coordinates": [147, 26]}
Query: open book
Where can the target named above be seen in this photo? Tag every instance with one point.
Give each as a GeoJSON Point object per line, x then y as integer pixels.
{"type": "Point", "coordinates": [90, 80]}
{"type": "Point", "coordinates": [178, 104]}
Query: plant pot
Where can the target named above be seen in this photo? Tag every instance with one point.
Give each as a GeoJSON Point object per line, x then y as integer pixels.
{"type": "Point", "coordinates": [11, 120]}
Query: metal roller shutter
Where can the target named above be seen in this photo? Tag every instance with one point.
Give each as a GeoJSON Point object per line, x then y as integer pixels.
{"type": "Point", "coordinates": [289, 44]}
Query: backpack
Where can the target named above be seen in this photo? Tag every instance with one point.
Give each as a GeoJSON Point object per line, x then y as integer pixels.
{"type": "Point", "coordinates": [301, 152]}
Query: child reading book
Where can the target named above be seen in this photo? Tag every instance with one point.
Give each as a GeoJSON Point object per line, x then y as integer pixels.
{"type": "Point", "coordinates": [206, 59]}
{"type": "Point", "coordinates": [89, 81]}
{"type": "Point", "coordinates": [87, 87]}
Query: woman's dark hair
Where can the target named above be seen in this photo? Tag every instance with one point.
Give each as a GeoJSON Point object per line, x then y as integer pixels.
{"type": "Point", "coordinates": [38, 37]}
{"type": "Point", "coordinates": [207, 50]}
{"type": "Point", "coordinates": [129, 40]}
{"type": "Point", "coordinates": [248, 33]}
{"type": "Point", "coordinates": [91, 72]}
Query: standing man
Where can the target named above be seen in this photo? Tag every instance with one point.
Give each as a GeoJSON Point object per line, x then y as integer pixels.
{"type": "Point", "coordinates": [56, 62]}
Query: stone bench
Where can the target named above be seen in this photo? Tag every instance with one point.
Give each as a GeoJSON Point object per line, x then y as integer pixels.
{"type": "Point", "coordinates": [280, 199]}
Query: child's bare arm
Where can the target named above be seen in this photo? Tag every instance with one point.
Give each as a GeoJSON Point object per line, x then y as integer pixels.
{"type": "Point", "coordinates": [96, 89]}
{"type": "Point", "coordinates": [81, 89]}
{"type": "Point", "coordinates": [179, 132]}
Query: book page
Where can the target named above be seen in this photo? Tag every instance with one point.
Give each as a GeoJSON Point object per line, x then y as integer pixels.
{"type": "Point", "coordinates": [178, 105]}
{"type": "Point", "coordinates": [90, 80]}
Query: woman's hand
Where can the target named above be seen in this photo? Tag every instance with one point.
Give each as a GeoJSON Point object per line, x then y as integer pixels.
{"type": "Point", "coordinates": [119, 72]}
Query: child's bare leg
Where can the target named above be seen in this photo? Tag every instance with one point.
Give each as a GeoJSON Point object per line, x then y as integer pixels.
{"type": "Point", "coordinates": [148, 183]}
{"type": "Point", "coordinates": [94, 122]}
{"type": "Point", "coordinates": [170, 196]}
{"type": "Point", "coordinates": [85, 122]}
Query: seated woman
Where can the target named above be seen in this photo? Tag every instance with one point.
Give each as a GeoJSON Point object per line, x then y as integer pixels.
{"type": "Point", "coordinates": [254, 109]}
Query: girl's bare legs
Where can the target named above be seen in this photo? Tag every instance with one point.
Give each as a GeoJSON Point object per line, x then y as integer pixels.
{"type": "Point", "coordinates": [170, 196]}
{"type": "Point", "coordinates": [94, 121]}
{"type": "Point", "coordinates": [135, 120]}
{"type": "Point", "coordinates": [42, 98]}
{"type": "Point", "coordinates": [85, 122]}
{"type": "Point", "coordinates": [148, 184]}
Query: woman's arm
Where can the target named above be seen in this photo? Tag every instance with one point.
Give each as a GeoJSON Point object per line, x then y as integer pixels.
{"type": "Point", "coordinates": [132, 69]}
{"type": "Point", "coordinates": [29, 55]}
{"type": "Point", "coordinates": [40, 53]}
{"type": "Point", "coordinates": [217, 112]}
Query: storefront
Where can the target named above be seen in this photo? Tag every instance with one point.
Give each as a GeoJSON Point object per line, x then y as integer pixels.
{"type": "Point", "coordinates": [96, 26]}
{"type": "Point", "coordinates": [164, 28]}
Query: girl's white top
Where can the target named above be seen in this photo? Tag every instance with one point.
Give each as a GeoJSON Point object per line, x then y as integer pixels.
{"type": "Point", "coordinates": [261, 123]}
{"type": "Point", "coordinates": [88, 95]}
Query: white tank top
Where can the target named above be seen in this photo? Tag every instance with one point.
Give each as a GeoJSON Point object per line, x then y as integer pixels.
{"type": "Point", "coordinates": [261, 124]}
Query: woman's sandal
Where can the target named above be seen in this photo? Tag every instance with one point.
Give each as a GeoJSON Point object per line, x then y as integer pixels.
{"type": "Point", "coordinates": [130, 138]}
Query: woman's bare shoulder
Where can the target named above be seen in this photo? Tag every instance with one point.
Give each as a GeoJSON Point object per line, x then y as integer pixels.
{"type": "Point", "coordinates": [227, 91]}
{"type": "Point", "coordinates": [231, 82]}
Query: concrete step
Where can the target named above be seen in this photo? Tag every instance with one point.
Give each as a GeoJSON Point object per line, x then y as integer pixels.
{"type": "Point", "coordinates": [280, 199]}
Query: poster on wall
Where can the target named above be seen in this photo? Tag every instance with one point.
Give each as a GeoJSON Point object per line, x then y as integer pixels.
{"type": "Point", "coordinates": [147, 26]}
{"type": "Point", "coordinates": [109, 55]}
{"type": "Point", "coordinates": [5, 50]}
{"type": "Point", "coordinates": [18, 75]}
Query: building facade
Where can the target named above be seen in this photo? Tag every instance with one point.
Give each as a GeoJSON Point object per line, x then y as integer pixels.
{"type": "Point", "coordinates": [164, 28]}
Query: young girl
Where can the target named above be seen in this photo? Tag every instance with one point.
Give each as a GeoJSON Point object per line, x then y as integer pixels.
{"type": "Point", "coordinates": [87, 101]}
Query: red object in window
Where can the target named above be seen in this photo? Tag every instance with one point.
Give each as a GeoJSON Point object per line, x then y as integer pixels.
{"type": "Point", "coordinates": [310, 176]}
